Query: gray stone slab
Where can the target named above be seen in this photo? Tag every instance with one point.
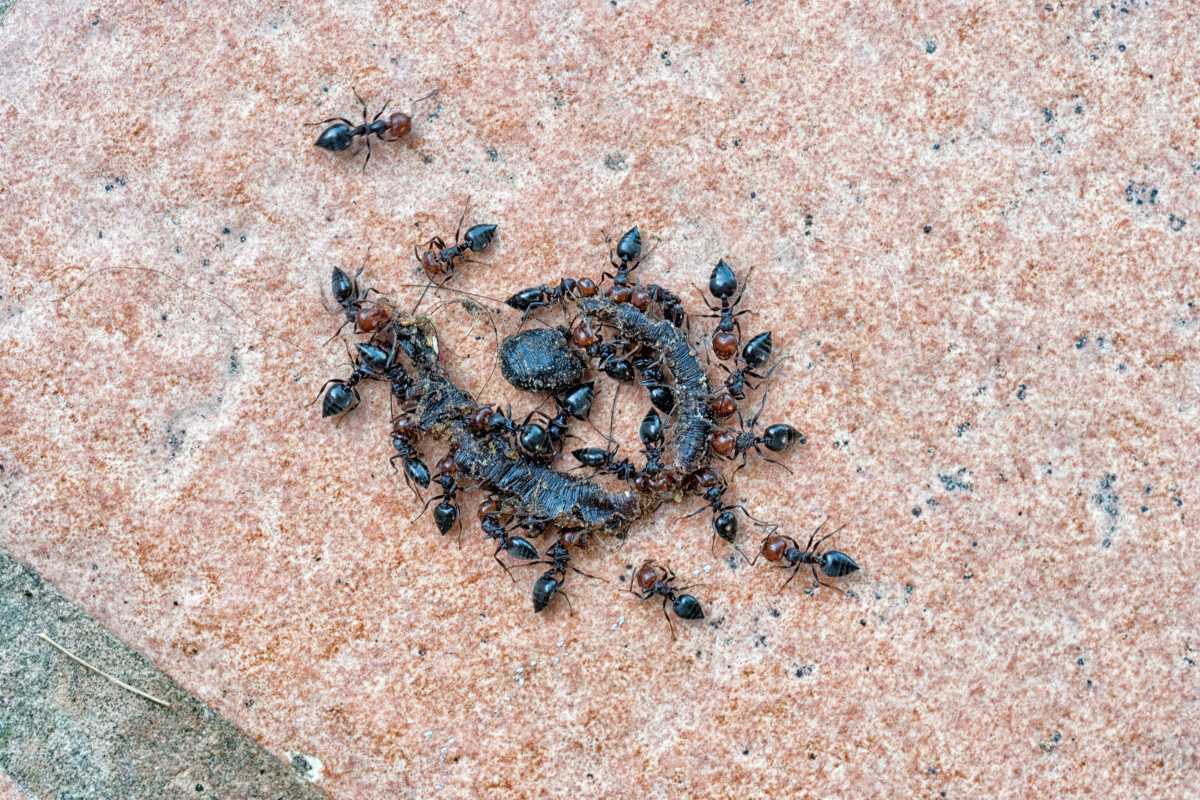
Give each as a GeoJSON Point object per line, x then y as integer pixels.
{"type": "Point", "coordinates": [69, 734]}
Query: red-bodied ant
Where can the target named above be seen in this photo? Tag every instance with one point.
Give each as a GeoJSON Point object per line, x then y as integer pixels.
{"type": "Point", "coordinates": [722, 284]}
{"type": "Point", "coordinates": [785, 552]}
{"type": "Point", "coordinates": [530, 300]}
{"type": "Point", "coordinates": [340, 136]}
{"type": "Point", "coordinates": [777, 438]}
{"type": "Point", "coordinates": [366, 316]}
{"type": "Point", "coordinates": [438, 260]}
{"type": "Point", "coordinates": [654, 579]}
{"type": "Point", "coordinates": [710, 484]}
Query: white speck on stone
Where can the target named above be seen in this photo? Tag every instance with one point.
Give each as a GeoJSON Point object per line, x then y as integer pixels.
{"type": "Point", "coordinates": [428, 734]}
{"type": "Point", "coordinates": [310, 767]}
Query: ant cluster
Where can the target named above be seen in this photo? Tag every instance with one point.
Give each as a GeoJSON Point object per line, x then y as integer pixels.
{"type": "Point", "coordinates": [630, 332]}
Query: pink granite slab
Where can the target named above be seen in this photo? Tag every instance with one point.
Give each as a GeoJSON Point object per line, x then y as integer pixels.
{"type": "Point", "coordinates": [973, 230]}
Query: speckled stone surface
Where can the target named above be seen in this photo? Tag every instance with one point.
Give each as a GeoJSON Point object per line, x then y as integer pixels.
{"type": "Point", "coordinates": [973, 230]}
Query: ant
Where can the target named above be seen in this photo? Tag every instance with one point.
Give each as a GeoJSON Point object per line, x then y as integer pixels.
{"type": "Point", "coordinates": [756, 353]}
{"type": "Point", "coordinates": [530, 300]}
{"type": "Point", "coordinates": [405, 432]}
{"type": "Point", "coordinates": [341, 135]}
{"type": "Point", "coordinates": [833, 563]}
{"type": "Point", "coordinates": [550, 582]}
{"type": "Point", "coordinates": [776, 438]}
{"type": "Point", "coordinates": [577, 402]}
{"type": "Point", "coordinates": [661, 394]}
{"type": "Point", "coordinates": [366, 317]}
{"type": "Point", "coordinates": [628, 256]}
{"type": "Point", "coordinates": [653, 478]}
{"type": "Point", "coordinates": [342, 395]}
{"type": "Point", "coordinates": [722, 284]}
{"type": "Point", "coordinates": [516, 546]}
{"type": "Point", "coordinates": [438, 260]}
{"type": "Point", "coordinates": [670, 303]}
{"type": "Point", "coordinates": [445, 513]}
{"type": "Point", "coordinates": [602, 459]}
{"type": "Point", "coordinates": [654, 579]}
{"type": "Point", "coordinates": [711, 485]}
{"type": "Point", "coordinates": [543, 442]}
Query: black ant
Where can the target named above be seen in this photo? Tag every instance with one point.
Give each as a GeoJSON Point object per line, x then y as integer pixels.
{"type": "Point", "coordinates": [342, 395]}
{"type": "Point", "coordinates": [833, 563]}
{"type": "Point", "coordinates": [756, 353]}
{"type": "Point", "coordinates": [367, 317]}
{"type": "Point", "coordinates": [577, 402]}
{"type": "Point", "coordinates": [722, 284]}
{"type": "Point", "coordinates": [653, 478]}
{"type": "Point", "coordinates": [602, 459]}
{"type": "Point", "coordinates": [670, 303]}
{"type": "Point", "coordinates": [543, 442]}
{"type": "Point", "coordinates": [405, 432]}
{"type": "Point", "coordinates": [493, 528]}
{"type": "Point", "coordinates": [341, 135]}
{"type": "Point", "coordinates": [711, 485]}
{"type": "Point", "coordinates": [438, 260]}
{"type": "Point", "coordinates": [445, 513]}
{"type": "Point", "coordinates": [550, 582]}
{"type": "Point", "coordinates": [628, 256]}
{"type": "Point", "coordinates": [654, 579]}
{"type": "Point", "coordinates": [661, 394]}
{"type": "Point", "coordinates": [777, 438]}
{"type": "Point", "coordinates": [530, 300]}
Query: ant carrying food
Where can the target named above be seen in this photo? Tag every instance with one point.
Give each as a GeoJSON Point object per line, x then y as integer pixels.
{"type": "Point", "coordinates": [710, 484]}
{"type": "Point", "coordinates": [785, 552]}
{"type": "Point", "coordinates": [722, 283]}
{"type": "Point", "coordinates": [656, 580]}
{"type": "Point", "coordinates": [341, 134]}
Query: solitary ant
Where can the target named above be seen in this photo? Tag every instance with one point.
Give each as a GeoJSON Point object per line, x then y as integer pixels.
{"type": "Point", "coordinates": [776, 438]}
{"type": "Point", "coordinates": [833, 563]}
{"type": "Point", "coordinates": [722, 284]}
{"type": "Point", "coordinates": [711, 485]}
{"type": "Point", "coordinates": [516, 546]}
{"type": "Point", "coordinates": [654, 579]}
{"type": "Point", "coordinates": [340, 136]}
{"type": "Point", "coordinates": [445, 513]}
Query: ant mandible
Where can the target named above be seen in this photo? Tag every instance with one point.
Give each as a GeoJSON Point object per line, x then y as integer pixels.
{"type": "Point", "coordinates": [654, 579]}
{"type": "Point", "coordinates": [340, 135]}
{"type": "Point", "coordinates": [833, 563]}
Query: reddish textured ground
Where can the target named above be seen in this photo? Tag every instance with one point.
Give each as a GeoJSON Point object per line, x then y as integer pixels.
{"type": "Point", "coordinates": [973, 231]}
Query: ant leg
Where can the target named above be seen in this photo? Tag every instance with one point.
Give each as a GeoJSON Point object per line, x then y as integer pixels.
{"type": "Point", "coordinates": [776, 463]}
{"type": "Point", "coordinates": [570, 607]}
{"type": "Point", "coordinates": [711, 307]}
{"type": "Point", "coordinates": [586, 574]}
{"type": "Point", "coordinates": [795, 570]}
{"type": "Point", "coordinates": [496, 555]}
{"type": "Point", "coordinates": [699, 510]}
{"type": "Point", "coordinates": [668, 616]}
{"type": "Point", "coordinates": [425, 507]}
{"type": "Point", "coordinates": [813, 535]}
{"type": "Point", "coordinates": [381, 110]}
{"type": "Point", "coordinates": [460, 220]}
{"type": "Point", "coordinates": [360, 100]}
{"type": "Point", "coordinates": [368, 158]}
{"type": "Point", "coordinates": [331, 119]}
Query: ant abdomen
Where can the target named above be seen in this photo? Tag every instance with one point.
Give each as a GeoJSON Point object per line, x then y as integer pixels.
{"type": "Point", "coordinates": [837, 564]}
{"type": "Point", "coordinates": [686, 606]}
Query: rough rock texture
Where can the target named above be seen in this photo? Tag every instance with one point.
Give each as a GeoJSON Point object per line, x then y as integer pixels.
{"type": "Point", "coordinates": [973, 230]}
